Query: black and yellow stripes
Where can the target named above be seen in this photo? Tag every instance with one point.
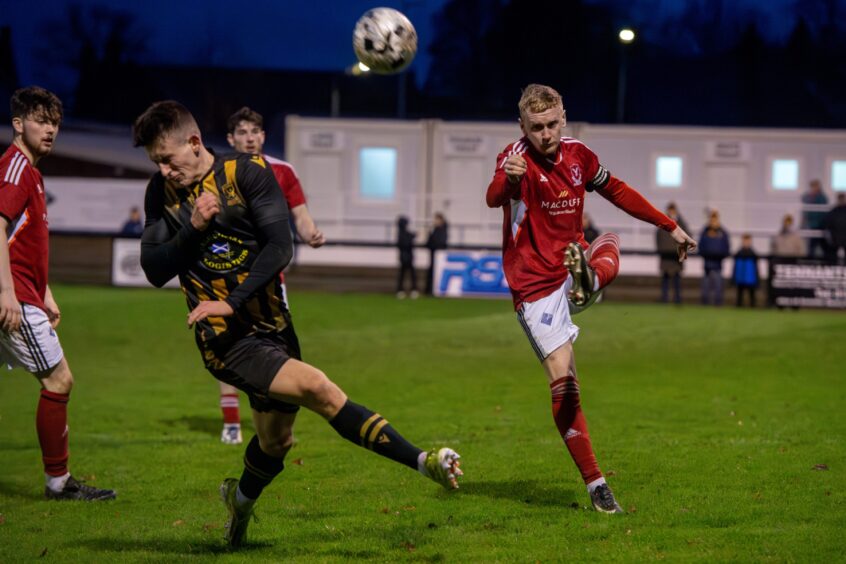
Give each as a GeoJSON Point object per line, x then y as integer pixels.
{"type": "Point", "coordinates": [370, 431]}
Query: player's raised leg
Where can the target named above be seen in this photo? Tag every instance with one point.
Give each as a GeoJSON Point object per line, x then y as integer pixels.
{"type": "Point", "coordinates": [592, 270]}
{"type": "Point", "coordinates": [303, 384]}
{"type": "Point", "coordinates": [560, 367]}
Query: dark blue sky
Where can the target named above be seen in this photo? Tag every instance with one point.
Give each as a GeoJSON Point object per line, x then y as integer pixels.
{"type": "Point", "coordinates": [316, 34]}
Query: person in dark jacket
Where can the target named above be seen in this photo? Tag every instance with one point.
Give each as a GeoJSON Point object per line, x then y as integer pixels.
{"type": "Point", "coordinates": [437, 240]}
{"type": "Point", "coordinates": [714, 248]}
{"type": "Point", "coordinates": [591, 231]}
{"type": "Point", "coordinates": [834, 224]}
{"type": "Point", "coordinates": [405, 244]}
{"type": "Point", "coordinates": [670, 266]}
{"type": "Point", "coordinates": [745, 276]}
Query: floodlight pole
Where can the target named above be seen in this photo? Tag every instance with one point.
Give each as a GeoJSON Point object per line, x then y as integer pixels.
{"type": "Point", "coordinates": [626, 36]}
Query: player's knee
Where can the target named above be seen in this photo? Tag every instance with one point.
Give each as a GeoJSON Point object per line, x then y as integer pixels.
{"type": "Point", "coordinates": [278, 445]}
{"type": "Point", "coordinates": [59, 380]}
{"type": "Point", "coordinates": [322, 394]}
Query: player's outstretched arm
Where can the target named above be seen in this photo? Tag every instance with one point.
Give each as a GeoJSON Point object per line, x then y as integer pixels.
{"type": "Point", "coordinates": [306, 228]}
{"type": "Point", "coordinates": [684, 242]}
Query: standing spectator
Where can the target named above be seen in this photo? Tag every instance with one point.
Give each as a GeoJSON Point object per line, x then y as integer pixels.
{"type": "Point", "coordinates": [834, 224]}
{"type": "Point", "coordinates": [714, 248]}
{"type": "Point", "coordinates": [133, 227]}
{"type": "Point", "coordinates": [812, 219]}
{"type": "Point", "coordinates": [670, 266]}
{"type": "Point", "coordinates": [745, 276]}
{"type": "Point", "coordinates": [437, 240]}
{"type": "Point", "coordinates": [405, 244]}
{"type": "Point", "coordinates": [592, 233]}
{"type": "Point", "coordinates": [787, 243]}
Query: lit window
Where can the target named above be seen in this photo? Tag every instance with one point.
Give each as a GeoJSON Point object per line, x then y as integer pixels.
{"type": "Point", "coordinates": [838, 176]}
{"type": "Point", "coordinates": [785, 174]}
{"type": "Point", "coordinates": [378, 172]}
{"type": "Point", "coordinates": [668, 172]}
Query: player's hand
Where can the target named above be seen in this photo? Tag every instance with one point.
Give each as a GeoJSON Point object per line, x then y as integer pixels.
{"type": "Point", "coordinates": [515, 167]}
{"type": "Point", "coordinates": [684, 242]}
{"type": "Point", "coordinates": [10, 311]}
{"type": "Point", "coordinates": [206, 206]}
{"type": "Point", "coordinates": [53, 313]}
{"type": "Point", "coordinates": [211, 308]}
{"type": "Point", "coordinates": [317, 239]}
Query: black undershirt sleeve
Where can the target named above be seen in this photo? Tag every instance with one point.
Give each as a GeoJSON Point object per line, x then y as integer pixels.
{"type": "Point", "coordinates": [164, 254]}
{"type": "Point", "coordinates": [269, 212]}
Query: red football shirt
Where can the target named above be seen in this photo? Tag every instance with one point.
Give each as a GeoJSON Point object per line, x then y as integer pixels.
{"type": "Point", "coordinates": [543, 212]}
{"type": "Point", "coordinates": [23, 204]}
{"type": "Point", "coordinates": [287, 179]}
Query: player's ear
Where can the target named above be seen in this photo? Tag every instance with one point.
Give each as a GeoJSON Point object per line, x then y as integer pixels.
{"type": "Point", "coordinates": [230, 139]}
{"type": "Point", "coordinates": [196, 143]}
{"type": "Point", "coordinates": [17, 124]}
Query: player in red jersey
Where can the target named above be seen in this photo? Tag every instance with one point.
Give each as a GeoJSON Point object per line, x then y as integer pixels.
{"type": "Point", "coordinates": [246, 135]}
{"type": "Point", "coordinates": [541, 182]}
{"type": "Point", "coordinates": [28, 312]}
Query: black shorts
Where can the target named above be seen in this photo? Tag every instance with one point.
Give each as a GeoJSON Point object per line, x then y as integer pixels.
{"type": "Point", "coordinates": [252, 362]}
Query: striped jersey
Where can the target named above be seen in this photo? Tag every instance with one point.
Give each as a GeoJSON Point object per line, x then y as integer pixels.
{"type": "Point", "coordinates": [225, 252]}
{"type": "Point", "coordinates": [23, 205]}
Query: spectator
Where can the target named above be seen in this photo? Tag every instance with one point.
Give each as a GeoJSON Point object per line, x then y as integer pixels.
{"type": "Point", "coordinates": [787, 243]}
{"type": "Point", "coordinates": [437, 240]}
{"type": "Point", "coordinates": [714, 248]}
{"type": "Point", "coordinates": [834, 224]}
{"type": "Point", "coordinates": [745, 276]}
{"type": "Point", "coordinates": [405, 244]}
{"type": "Point", "coordinates": [591, 232]}
{"type": "Point", "coordinates": [812, 219]}
{"type": "Point", "coordinates": [670, 266]}
{"type": "Point", "coordinates": [133, 227]}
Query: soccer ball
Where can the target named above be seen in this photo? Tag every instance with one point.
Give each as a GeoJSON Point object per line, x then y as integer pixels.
{"type": "Point", "coordinates": [384, 40]}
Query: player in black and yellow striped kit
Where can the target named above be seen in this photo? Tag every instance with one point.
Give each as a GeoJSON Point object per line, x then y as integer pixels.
{"type": "Point", "coordinates": [220, 223]}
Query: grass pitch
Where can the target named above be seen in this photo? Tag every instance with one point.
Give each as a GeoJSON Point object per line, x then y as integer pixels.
{"type": "Point", "coordinates": [721, 432]}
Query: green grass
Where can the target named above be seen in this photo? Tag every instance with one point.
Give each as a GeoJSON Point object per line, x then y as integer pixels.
{"type": "Point", "coordinates": [708, 422]}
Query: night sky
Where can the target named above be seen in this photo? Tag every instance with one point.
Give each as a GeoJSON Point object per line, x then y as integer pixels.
{"type": "Point", "coordinates": [299, 34]}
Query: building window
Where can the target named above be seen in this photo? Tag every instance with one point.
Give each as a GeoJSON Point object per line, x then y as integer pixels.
{"type": "Point", "coordinates": [378, 172]}
{"type": "Point", "coordinates": [668, 171]}
{"type": "Point", "coordinates": [838, 176]}
{"type": "Point", "coordinates": [785, 174]}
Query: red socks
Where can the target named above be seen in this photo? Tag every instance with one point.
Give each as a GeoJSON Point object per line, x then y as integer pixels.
{"type": "Point", "coordinates": [229, 407]}
{"type": "Point", "coordinates": [567, 412]}
{"type": "Point", "coordinates": [51, 421]}
{"type": "Point", "coordinates": [604, 258]}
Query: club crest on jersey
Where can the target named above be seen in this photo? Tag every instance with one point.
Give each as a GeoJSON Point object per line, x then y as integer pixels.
{"type": "Point", "coordinates": [224, 252]}
{"type": "Point", "coordinates": [230, 194]}
{"type": "Point", "coordinates": [576, 174]}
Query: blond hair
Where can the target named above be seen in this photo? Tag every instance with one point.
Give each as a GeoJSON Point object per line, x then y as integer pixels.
{"type": "Point", "coordinates": [538, 98]}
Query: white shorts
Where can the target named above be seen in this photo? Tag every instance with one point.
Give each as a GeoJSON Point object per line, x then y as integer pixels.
{"type": "Point", "coordinates": [35, 346]}
{"type": "Point", "coordinates": [547, 322]}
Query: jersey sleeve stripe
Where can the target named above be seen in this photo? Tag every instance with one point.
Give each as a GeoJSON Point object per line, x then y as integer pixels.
{"type": "Point", "coordinates": [13, 164]}
{"type": "Point", "coordinates": [21, 168]}
{"type": "Point", "coordinates": [20, 224]}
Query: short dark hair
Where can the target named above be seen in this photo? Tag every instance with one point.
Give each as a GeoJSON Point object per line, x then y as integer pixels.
{"type": "Point", "coordinates": [159, 120]}
{"type": "Point", "coordinates": [35, 101]}
{"type": "Point", "coordinates": [244, 114]}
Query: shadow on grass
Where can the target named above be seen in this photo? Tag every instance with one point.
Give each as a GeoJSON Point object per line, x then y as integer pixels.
{"type": "Point", "coordinates": [166, 546]}
{"type": "Point", "coordinates": [207, 425]}
{"type": "Point", "coordinates": [13, 490]}
{"type": "Point", "coordinates": [530, 492]}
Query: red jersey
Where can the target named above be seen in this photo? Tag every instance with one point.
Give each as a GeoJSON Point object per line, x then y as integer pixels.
{"type": "Point", "coordinates": [287, 179]}
{"type": "Point", "coordinates": [23, 204]}
{"type": "Point", "coordinates": [543, 212]}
